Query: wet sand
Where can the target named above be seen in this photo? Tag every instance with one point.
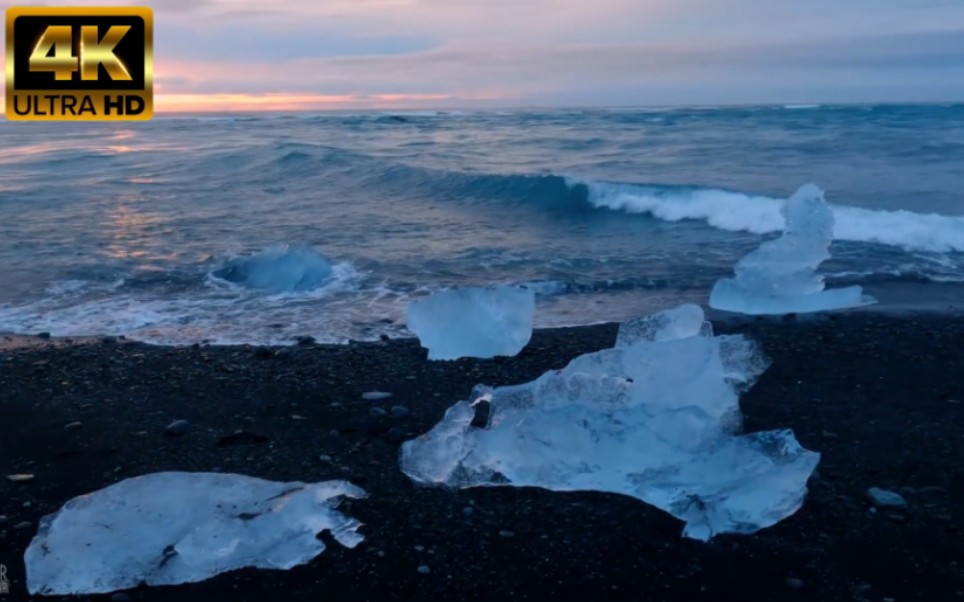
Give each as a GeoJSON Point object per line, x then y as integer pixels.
{"type": "Point", "coordinates": [880, 397]}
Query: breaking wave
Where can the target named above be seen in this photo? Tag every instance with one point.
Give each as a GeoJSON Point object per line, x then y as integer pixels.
{"type": "Point", "coordinates": [739, 212]}
{"type": "Point", "coordinates": [729, 210]}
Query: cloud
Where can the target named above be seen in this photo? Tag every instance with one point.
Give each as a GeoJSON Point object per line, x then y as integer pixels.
{"type": "Point", "coordinates": [162, 6]}
{"type": "Point", "coordinates": [613, 52]}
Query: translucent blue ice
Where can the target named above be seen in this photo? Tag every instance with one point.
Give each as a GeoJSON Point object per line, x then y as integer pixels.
{"type": "Point", "coordinates": [172, 527]}
{"type": "Point", "coordinates": [781, 277]}
{"type": "Point", "coordinates": [280, 269]}
{"type": "Point", "coordinates": [474, 322]}
{"type": "Point", "coordinates": [656, 418]}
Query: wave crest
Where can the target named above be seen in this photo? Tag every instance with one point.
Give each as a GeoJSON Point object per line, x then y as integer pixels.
{"type": "Point", "coordinates": [738, 212]}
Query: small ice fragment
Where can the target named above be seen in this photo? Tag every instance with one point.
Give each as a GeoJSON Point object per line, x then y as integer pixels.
{"type": "Point", "coordinates": [780, 277]}
{"type": "Point", "coordinates": [19, 478]}
{"type": "Point", "coordinates": [375, 395]}
{"type": "Point", "coordinates": [679, 323]}
{"type": "Point", "coordinates": [883, 498]}
{"type": "Point", "coordinates": [280, 269]}
{"type": "Point", "coordinates": [174, 527]}
{"type": "Point", "coordinates": [474, 322]}
{"type": "Point", "coordinates": [657, 420]}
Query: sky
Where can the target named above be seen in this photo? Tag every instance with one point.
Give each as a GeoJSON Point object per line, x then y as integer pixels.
{"type": "Point", "coordinates": [342, 54]}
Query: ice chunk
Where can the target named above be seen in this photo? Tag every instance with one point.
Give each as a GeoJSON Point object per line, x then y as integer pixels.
{"type": "Point", "coordinates": [658, 420]}
{"type": "Point", "coordinates": [780, 276]}
{"type": "Point", "coordinates": [280, 269]}
{"type": "Point", "coordinates": [682, 322]}
{"type": "Point", "coordinates": [474, 322]}
{"type": "Point", "coordinates": [173, 527]}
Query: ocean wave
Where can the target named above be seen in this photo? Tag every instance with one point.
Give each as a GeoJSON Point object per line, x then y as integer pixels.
{"type": "Point", "coordinates": [552, 288]}
{"type": "Point", "coordinates": [739, 212]}
{"type": "Point", "coordinates": [728, 210]}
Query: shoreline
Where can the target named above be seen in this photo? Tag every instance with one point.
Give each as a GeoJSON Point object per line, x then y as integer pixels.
{"type": "Point", "coordinates": [877, 394]}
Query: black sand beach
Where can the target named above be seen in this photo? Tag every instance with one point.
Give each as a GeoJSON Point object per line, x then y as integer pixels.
{"type": "Point", "coordinates": [880, 397]}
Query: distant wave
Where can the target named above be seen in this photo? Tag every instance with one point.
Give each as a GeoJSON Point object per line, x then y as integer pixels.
{"type": "Point", "coordinates": [739, 212]}
{"type": "Point", "coordinates": [722, 209]}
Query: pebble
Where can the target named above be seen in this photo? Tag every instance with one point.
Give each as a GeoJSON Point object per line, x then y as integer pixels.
{"type": "Point", "coordinates": [504, 533]}
{"type": "Point", "coordinates": [378, 412]}
{"type": "Point", "coordinates": [73, 426]}
{"type": "Point", "coordinates": [324, 458]}
{"type": "Point", "coordinates": [3, 519]}
{"type": "Point", "coordinates": [468, 510]}
{"type": "Point", "coordinates": [375, 395]}
{"type": "Point", "coordinates": [20, 478]}
{"type": "Point", "coordinates": [177, 428]}
{"type": "Point", "coordinates": [43, 335]}
{"type": "Point", "coordinates": [795, 583]}
{"type": "Point", "coordinates": [883, 498]}
{"type": "Point", "coordinates": [396, 435]}
{"type": "Point", "coordinates": [400, 411]}
{"type": "Point", "coordinates": [424, 570]}
{"type": "Point", "coordinates": [23, 526]}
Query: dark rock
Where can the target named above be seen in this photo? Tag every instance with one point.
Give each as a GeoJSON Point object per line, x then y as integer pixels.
{"type": "Point", "coordinates": [305, 340]}
{"type": "Point", "coordinates": [396, 435]}
{"type": "Point", "coordinates": [378, 412]}
{"type": "Point", "coordinates": [43, 335]}
{"type": "Point", "coordinates": [400, 411]}
{"type": "Point", "coordinates": [795, 583]}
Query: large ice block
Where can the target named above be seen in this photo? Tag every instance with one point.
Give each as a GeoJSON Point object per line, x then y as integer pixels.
{"type": "Point", "coordinates": [781, 275]}
{"type": "Point", "coordinates": [474, 322]}
{"type": "Point", "coordinates": [679, 323]}
{"type": "Point", "coordinates": [657, 419]}
{"type": "Point", "coordinates": [174, 527]}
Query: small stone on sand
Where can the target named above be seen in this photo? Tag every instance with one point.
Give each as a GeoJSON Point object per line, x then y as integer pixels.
{"type": "Point", "coordinates": [883, 498]}
{"type": "Point", "coordinates": [177, 428]}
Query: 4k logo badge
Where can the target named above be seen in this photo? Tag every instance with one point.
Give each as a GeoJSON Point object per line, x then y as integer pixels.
{"type": "Point", "coordinates": [80, 63]}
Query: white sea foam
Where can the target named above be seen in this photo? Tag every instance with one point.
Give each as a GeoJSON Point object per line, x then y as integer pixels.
{"type": "Point", "coordinates": [738, 212]}
{"type": "Point", "coordinates": [220, 313]}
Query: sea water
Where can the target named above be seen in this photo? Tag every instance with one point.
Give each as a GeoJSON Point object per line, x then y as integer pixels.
{"type": "Point", "coordinates": [129, 229]}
